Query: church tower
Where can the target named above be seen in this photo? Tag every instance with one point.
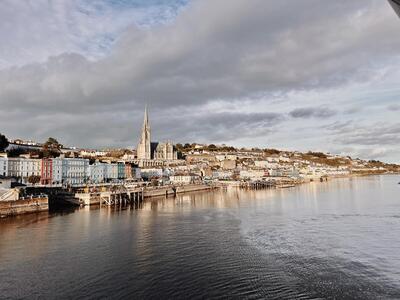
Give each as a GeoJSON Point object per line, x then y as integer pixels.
{"type": "Point", "coordinates": [144, 147]}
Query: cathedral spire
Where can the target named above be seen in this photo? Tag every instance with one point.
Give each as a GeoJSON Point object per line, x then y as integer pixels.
{"type": "Point", "coordinates": [146, 117]}
{"type": "Point", "coordinates": [144, 147]}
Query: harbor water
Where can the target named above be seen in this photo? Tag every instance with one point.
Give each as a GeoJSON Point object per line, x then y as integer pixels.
{"type": "Point", "coordinates": [332, 240]}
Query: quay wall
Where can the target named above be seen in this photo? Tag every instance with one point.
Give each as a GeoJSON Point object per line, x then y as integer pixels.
{"type": "Point", "coordinates": [23, 206]}
{"type": "Point", "coordinates": [194, 188]}
{"type": "Point", "coordinates": [163, 191]}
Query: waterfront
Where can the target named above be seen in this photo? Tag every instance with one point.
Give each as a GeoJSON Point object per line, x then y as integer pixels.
{"type": "Point", "coordinates": [337, 239]}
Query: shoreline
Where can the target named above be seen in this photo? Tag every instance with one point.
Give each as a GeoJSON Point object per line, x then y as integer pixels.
{"type": "Point", "coordinates": [38, 205]}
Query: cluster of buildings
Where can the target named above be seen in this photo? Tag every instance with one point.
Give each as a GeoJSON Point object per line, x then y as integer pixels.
{"type": "Point", "coordinates": [90, 166]}
{"type": "Point", "coordinates": [65, 171]}
{"type": "Point", "coordinates": [252, 166]}
{"type": "Point", "coordinates": [159, 163]}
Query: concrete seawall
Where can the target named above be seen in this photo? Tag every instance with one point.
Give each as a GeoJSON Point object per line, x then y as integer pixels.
{"type": "Point", "coordinates": [23, 206]}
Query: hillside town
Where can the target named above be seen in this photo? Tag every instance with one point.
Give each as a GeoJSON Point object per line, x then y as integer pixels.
{"type": "Point", "coordinates": [163, 164]}
{"type": "Point", "coordinates": [50, 163]}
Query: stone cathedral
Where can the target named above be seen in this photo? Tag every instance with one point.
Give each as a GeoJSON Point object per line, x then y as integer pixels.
{"type": "Point", "coordinates": [147, 150]}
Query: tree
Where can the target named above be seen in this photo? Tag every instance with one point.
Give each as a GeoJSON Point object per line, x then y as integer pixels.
{"type": "Point", "coordinates": [34, 179]}
{"type": "Point", "coordinates": [118, 153]}
{"type": "Point", "coordinates": [317, 154]}
{"type": "Point", "coordinates": [16, 152]}
{"type": "Point", "coordinates": [212, 147]}
{"type": "Point", "coordinates": [3, 142]}
{"type": "Point", "coordinates": [52, 148]}
{"type": "Point", "coordinates": [53, 144]}
{"type": "Point", "coordinates": [179, 147]}
{"type": "Point", "coordinates": [271, 151]}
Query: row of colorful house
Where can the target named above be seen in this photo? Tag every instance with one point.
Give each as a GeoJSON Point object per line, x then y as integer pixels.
{"type": "Point", "coordinates": [69, 171]}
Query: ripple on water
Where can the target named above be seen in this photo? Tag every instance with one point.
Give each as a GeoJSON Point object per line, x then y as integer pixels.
{"type": "Point", "coordinates": [246, 245]}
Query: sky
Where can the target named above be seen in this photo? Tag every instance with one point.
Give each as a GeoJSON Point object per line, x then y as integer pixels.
{"type": "Point", "coordinates": [295, 75]}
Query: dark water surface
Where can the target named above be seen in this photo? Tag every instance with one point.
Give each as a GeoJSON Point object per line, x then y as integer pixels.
{"type": "Point", "coordinates": [335, 240]}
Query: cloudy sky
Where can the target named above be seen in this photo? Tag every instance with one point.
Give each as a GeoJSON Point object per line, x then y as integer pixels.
{"type": "Point", "coordinates": [306, 74]}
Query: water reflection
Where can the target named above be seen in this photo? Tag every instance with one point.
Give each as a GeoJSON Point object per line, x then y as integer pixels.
{"type": "Point", "coordinates": [329, 240]}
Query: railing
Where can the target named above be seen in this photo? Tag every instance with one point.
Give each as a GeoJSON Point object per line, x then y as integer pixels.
{"type": "Point", "coordinates": [7, 195]}
{"type": "Point", "coordinates": [33, 197]}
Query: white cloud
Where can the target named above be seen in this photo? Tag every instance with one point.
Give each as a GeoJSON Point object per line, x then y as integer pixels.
{"type": "Point", "coordinates": [33, 30]}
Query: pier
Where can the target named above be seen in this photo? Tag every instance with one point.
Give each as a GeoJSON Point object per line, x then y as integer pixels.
{"type": "Point", "coordinates": [257, 185]}
{"type": "Point", "coordinates": [131, 195]}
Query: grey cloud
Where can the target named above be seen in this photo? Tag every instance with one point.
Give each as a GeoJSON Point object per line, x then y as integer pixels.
{"type": "Point", "coordinates": [353, 110]}
{"type": "Point", "coordinates": [363, 140]}
{"type": "Point", "coordinates": [312, 112]}
{"type": "Point", "coordinates": [222, 126]}
{"type": "Point", "coordinates": [212, 51]}
{"type": "Point", "coordinates": [366, 153]}
{"type": "Point", "coordinates": [372, 135]}
{"type": "Point", "coordinates": [191, 61]}
{"type": "Point", "coordinates": [177, 125]}
{"type": "Point", "coordinates": [338, 125]}
{"type": "Point", "coordinates": [393, 107]}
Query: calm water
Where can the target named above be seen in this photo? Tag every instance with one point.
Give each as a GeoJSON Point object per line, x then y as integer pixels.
{"type": "Point", "coordinates": [339, 240]}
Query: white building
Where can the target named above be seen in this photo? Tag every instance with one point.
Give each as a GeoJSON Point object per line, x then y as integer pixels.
{"type": "Point", "coordinates": [221, 174]}
{"type": "Point", "coordinates": [3, 166]}
{"type": "Point", "coordinates": [228, 164]}
{"type": "Point", "coordinates": [92, 153]}
{"type": "Point", "coordinates": [266, 164]}
{"type": "Point", "coordinates": [165, 151]}
{"type": "Point", "coordinates": [184, 178]}
{"type": "Point", "coordinates": [284, 159]}
{"type": "Point", "coordinates": [23, 168]}
{"type": "Point", "coordinates": [252, 174]}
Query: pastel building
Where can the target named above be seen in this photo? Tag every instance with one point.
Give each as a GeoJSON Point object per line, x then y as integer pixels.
{"type": "Point", "coordinates": [121, 170]}
{"type": "Point", "coordinates": [128, 171]}
{"type": "Point", "coordinates": [97, 172]}
{"type": "Point", "coordinates": [75, 171]}
{"type": "Point", "coordinates": [137, 173]}
{"type": "Point", "coordinates": [57, 171]}
{"type": "Point", "coordinates": [46, 176]}
{"type": "Point", "coordinates": [111, 172]}
{"type": "Point", "coordinates": [51, 172]}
